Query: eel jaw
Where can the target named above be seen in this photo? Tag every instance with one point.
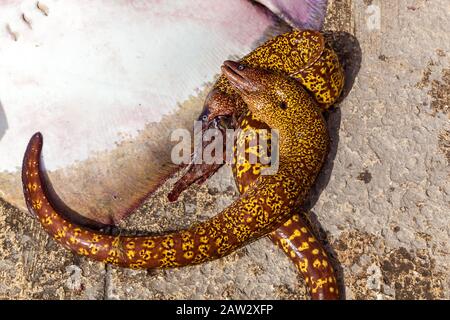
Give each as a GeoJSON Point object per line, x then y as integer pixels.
{"type": "Point", "coordinates": [233, 71]}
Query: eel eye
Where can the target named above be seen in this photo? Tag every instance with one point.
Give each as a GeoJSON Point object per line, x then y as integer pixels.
{"type": "Point", "coordinates": [205, 117]}
{"type": "Point", "coordinates": [241, 67]}
{"type": "Point", "coordinates": [283, 105]}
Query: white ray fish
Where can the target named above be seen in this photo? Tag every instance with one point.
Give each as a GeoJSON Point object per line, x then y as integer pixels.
{"type": "Point", "coordinates": [107, 81]}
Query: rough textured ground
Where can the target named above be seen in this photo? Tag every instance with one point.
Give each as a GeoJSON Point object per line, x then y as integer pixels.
{"type": "Point", "coordinates": [383, 198]}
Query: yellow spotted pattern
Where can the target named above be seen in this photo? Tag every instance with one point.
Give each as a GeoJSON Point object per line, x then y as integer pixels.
{"type": "Point", "coordinates": [322, 75]}
{"type": "Point", "coordinates": [261, 209]}
{"type": "Point", "coordinates": [302, 54]}
{"type": "Point", "coordinates": [294, 236]}
{"type": "Point", "coordinates": [263, 206]}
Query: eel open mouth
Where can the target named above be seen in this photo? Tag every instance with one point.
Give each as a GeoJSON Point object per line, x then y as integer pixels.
{"type": "Point", "coordinates": [214, 118]}
{"type": "Point", "coordinates": [199, 172]}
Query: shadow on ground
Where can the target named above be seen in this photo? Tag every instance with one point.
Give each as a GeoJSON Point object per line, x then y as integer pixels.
{"type": "Point", "coordinates": [349, 51]}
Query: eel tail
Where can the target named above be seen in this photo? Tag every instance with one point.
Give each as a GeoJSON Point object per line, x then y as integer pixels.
{"type": "Point", "coordinates": [295, 238]}
{"type": "Point", "coordinates": [219, 236]}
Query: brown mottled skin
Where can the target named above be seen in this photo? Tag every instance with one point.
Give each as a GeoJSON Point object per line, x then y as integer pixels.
{"type": "Point", "coordinates": [294, 236]}
{"type": "Point", "coordinates": [266, 204]}
{"type": "Point", "coordinates": [304, 55]}
{"type": "Point", "coordinates": [322, 75]}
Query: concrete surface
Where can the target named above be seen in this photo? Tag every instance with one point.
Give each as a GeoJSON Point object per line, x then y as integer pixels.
{"type": "Point", "coordinates": [382, 200]}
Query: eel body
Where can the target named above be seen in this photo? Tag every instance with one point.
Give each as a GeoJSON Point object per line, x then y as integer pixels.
{"type": "Point", "coordinates": [304, 55]}
{"type": "Point", "coordinates": [294, 236]}
{"type": "Point", "coordinates": [321, 73]}
{"type": "Point", "coordinates": [324, 79]}
{"type": "Point", "coordinates": [267, 203]}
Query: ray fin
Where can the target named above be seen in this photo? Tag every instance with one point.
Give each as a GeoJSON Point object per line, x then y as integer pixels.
{"type": "Point", "coordinates": [302, 14]}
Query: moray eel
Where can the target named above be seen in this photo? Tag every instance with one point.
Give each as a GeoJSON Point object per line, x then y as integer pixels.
{"type": "Point", "coordinates": [322, 75]}
{"type": "Point", "coordinates": [280, 102]}
{"type": "Point", "coordinates": [325, 80]}
{"type": "Point", "coordinates": [304, 55]}
{"type": "Point", "coordinates": [294, 236]}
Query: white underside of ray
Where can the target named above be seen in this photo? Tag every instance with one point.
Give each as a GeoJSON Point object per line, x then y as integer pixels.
{"type": "Point", "coordinates": [93, 71]}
